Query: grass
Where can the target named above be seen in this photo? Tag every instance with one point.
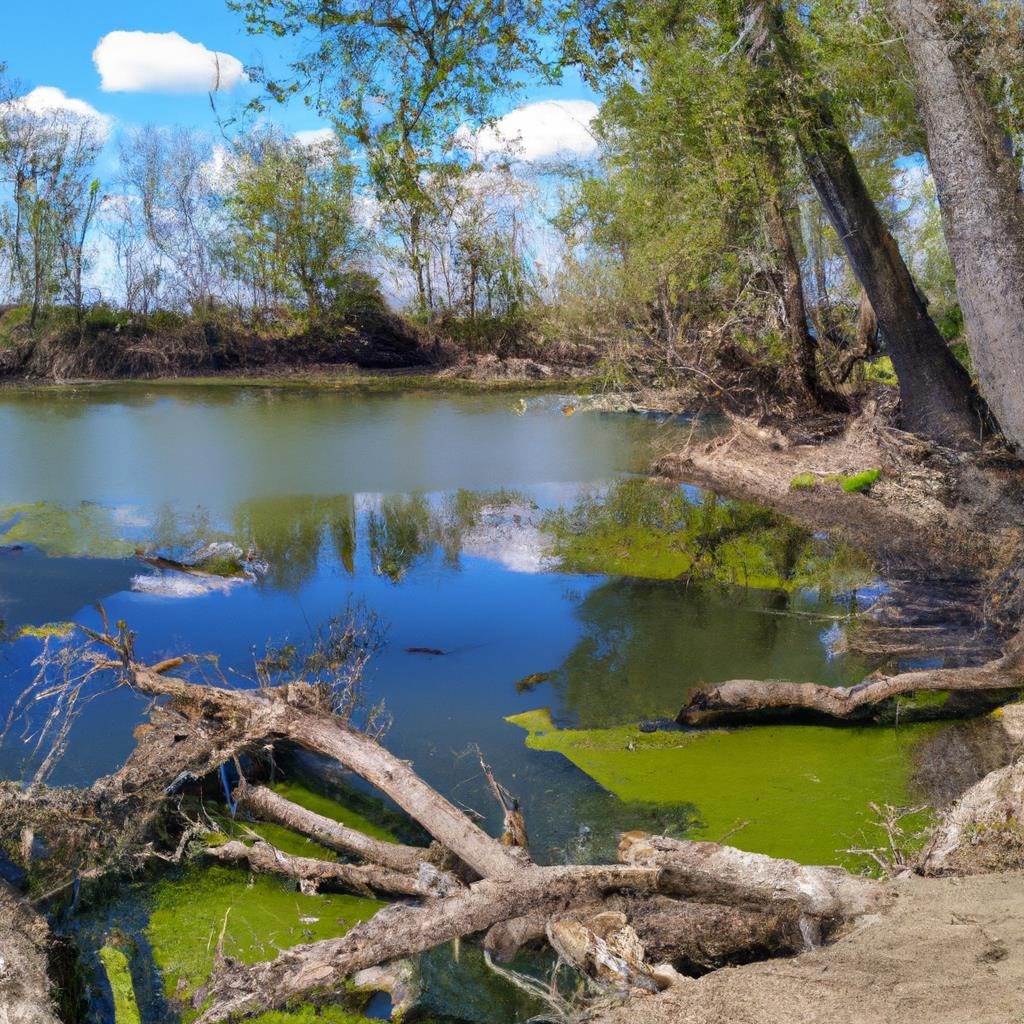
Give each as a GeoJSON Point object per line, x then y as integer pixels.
{"type": "Point", "coordinates": [858, 483]}
{"type": "Point", "coordinates": [789, 791]}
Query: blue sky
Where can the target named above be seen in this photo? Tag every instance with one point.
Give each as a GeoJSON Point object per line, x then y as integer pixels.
{"type": "Point", "coordinates": [56, 50]}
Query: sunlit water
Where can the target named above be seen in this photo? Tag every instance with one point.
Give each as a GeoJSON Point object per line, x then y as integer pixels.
{"type": "Point", "coordinates": [422, 509]}
{"type": "Point", "coordinates": [343, 494]}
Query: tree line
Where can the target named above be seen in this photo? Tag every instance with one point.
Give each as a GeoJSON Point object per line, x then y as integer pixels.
{"type": "Point", "coordinates": [749, 197]}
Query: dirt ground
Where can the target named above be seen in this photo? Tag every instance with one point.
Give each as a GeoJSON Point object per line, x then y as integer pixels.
{"type": "Point", "coordinates": [950, 951]}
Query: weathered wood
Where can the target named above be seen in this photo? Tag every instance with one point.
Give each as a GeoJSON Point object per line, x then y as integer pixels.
{"type": "Point", "coordinates": [710, 872]}
{"type": "Point", "coordinates": [750, 696]}
{"type": "Point", "coordinates": [25, 996]}
{"type": "Point", "coordinates": [270, 806]}
{"type": "Point", "coordinates": [402, 931]}
{"type": "Point", "coordinates": [313, 873]}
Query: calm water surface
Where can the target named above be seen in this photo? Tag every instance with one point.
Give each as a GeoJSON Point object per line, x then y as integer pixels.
{"type": "Point", "coordinates": [425, 510]}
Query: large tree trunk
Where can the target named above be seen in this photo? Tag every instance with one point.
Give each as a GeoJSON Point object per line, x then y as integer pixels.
{"type": "Point", "coordinates": [935, 390]}
{"type": "Point", "coordinates": [978, 186]}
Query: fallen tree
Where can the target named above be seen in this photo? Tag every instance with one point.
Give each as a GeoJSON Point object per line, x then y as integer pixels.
{"type": "Point", "coordinates": [750, 697]}
{"type": "Point", "coordinates": [626, 928]}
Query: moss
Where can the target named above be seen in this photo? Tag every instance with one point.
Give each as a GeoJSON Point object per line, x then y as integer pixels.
{"type": "Point", "coordinates": [789, 791]}
{"type": "Point", "coordinates": [60, 630]}
{"type": "Point", "coordinates": [115, 964]}
{"type": "Point", "coordinates": [880, 371]}
{"type": "Point", "coordinates": [803, 482]}
{"type": "Point", "coordinates": [259, 917]}
{"type": "Point", "coordinates": [858, 483]}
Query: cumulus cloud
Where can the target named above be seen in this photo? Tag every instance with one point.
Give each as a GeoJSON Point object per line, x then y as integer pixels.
{"type": "Point", "coordinates": [162, 62]}
{"type": "Point", "coordinates": [49, 100]}
{"type": "Point", "coordinates": [538, 131]}
{"type": "Point", "coordinates": [316, 137]}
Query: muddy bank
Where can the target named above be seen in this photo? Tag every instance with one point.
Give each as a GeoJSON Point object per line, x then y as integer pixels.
{"type": "Point", "coordinates": [947, 951]}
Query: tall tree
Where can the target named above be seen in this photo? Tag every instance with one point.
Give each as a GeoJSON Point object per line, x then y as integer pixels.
{"type": "Point", "coordinates": [398, 78]}
{"type": "Point", "coordinates": [979, 188]}
{"type": "Point", "coordinates": [935, 390]}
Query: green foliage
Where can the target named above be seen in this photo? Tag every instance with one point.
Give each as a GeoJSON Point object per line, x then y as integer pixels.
{"type": "Point", "coordinates": [292, 234]}
{"type": "Point", "coordinates": [858, 483]}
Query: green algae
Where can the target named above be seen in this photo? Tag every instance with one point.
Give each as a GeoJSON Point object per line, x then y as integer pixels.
{"type": "Point", "coordinates": [115, 965]}
{"type": "Point", "coordinates": [84, 531]}
{"type": "Point", "coordinates": [47, 631]}
{"type": "Point", "coordinates": [259, 916]}
{"type": "Point", "coordinates": [331, 808]}
{"type": "Point", "coordinates": [803, 482]}
{"type": "Point", "coordinates": [858, 483]}
{"type": "Point", "coordinates": [801, 792]}
{"type": "Point", "coordinates": [655, 530]}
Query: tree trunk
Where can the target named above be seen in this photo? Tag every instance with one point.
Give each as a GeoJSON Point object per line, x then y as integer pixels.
{"type": "Point", "coordinates": [935, 390]}
{"type": "Point", "coordinates": [978, 186]}
{"type": "Point", "coordinates": [764, 696]}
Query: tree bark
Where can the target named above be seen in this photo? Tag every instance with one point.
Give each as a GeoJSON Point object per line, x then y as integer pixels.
{"type": "Point", "coordinates": [979, 191]}
{"type": "Point", "coordinates": [748, 696]}
{"type": "Point", "coordinates": [935, 390]}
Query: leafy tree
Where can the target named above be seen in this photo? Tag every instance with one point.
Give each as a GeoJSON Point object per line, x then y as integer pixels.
{"type": "Point", "coordinates": [399, 78]}
{"type": "Point", "coordinates": [292, 232]}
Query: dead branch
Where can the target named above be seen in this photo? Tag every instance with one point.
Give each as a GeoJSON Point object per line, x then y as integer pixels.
{"type": "Point", "coordinates": [748, 696]}
{"type": "Point", "coordinates": [313, 874]}
{"type": "Point", "coordinates": [269, 806]}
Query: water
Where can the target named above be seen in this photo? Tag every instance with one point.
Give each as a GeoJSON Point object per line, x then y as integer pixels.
{"type": "Point", "coordinates": [430, 510]}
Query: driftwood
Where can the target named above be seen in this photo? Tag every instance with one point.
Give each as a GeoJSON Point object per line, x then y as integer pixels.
{"type": "Point", "coordinates": [625, 927]}
{"type": "Point", "coordinates": [748, 697]}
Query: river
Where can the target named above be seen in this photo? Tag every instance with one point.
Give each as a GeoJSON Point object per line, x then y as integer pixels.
{"type": "Point", "coordinates": [513, 559]}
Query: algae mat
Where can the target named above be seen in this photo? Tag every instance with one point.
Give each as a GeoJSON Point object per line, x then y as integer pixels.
{"type": "Point", "coordinates": [801, 792]}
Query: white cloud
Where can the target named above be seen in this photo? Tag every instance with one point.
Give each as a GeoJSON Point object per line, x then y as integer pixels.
{"type": "Point", "coordinates": [316, 137]}
{"type": "Point", "coordinates": [538, 131]}
{"type": "Point", "coordinates": [47, 99]}
{"type": "Point", "coordinates": [162, 62]}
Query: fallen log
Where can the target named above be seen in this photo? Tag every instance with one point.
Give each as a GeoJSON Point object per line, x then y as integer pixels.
{"type": "Point", "coordinates": [749, 697]}
{"type": "Point", "coordinates": [25, 996]}
{"type": "Point", "coordinates": [270, 806]}
{"type": "Point", "coordinates": [313, 874]}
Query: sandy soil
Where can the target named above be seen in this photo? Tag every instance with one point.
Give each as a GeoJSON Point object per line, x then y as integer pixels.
{"type": "Point", "coordinates": [950, 951]}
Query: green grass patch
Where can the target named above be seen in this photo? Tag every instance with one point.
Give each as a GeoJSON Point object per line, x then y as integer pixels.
{"type": "Point", "coordinates": [789, 791]}
{"type": "Point", "coordinates": [803, 482]}
{"type": "Point", "coordinates": [115, 966]}
{"type": "Point", "coordinates": [858, 483]}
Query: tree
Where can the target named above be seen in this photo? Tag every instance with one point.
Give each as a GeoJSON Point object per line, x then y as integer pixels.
{"type": "Point", "coordinates": [978, 182]}
{"type": "Point", "coordinates": [398, 78]}
{"type": "Point", "coordinates": [171, 176]}
{"type": "Point", "coordinates": [291, 227]}
{"type": "Point", "coordinates": [47, 159]}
